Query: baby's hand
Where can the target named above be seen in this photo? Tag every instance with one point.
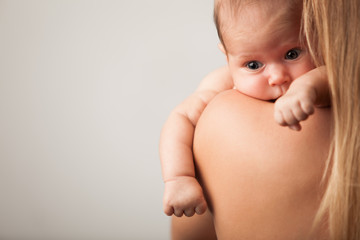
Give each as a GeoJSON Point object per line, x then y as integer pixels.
{"type": "Point", "coordinates": [295, 105]}
{"type": "Point", "coordinates": [184, 195]}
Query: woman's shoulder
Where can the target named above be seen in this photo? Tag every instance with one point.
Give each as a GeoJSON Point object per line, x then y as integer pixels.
{"type": "Point", "coordinates": [262, 176]}
{"type": "Point", "coordinates": [238, 116]}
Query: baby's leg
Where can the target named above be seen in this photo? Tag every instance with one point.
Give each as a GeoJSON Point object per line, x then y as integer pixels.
{"type": "Point", "coordinates": [197, 227]}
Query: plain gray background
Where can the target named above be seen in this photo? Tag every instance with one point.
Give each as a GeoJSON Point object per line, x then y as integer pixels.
{"type": "Point", "coordinates": [85, 87]}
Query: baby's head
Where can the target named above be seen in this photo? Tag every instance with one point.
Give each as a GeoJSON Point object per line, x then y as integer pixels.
{"type": "Point", "coordinates": [261, 40]}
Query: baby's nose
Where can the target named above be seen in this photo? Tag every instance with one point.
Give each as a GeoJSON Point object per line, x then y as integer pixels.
{"type": "Point", "coordinates": [278, 76]}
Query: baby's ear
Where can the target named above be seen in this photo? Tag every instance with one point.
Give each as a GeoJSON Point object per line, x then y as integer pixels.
{"type": "Point", "coordinates": [222, 48]}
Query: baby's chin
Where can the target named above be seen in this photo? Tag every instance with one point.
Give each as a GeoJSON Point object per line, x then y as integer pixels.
{"type": "Point", "coordinates": [267, 98]}
{"type": "Point", "coordinates": [272, 100]}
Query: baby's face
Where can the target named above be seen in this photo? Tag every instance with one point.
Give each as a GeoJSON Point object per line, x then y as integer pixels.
{"type": "Point", "coordinates": [264, 54]}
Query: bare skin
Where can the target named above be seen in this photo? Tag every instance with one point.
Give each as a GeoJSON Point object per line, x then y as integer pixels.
{"type": "Point", "coordinates": [261, 181]}
{"type": "Point", "coordinates": [303, 95]}
{"type": "Point", "coordinates": [266, 64]}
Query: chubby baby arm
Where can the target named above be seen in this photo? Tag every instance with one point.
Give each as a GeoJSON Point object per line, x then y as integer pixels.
{"type": "Point", "coordinates": [304, 94]}
{"type": "Point", "coordinates": [183, 194]}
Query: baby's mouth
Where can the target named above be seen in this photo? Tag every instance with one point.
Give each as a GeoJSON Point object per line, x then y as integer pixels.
{"type": "Point", "coordinates": [282, 91]}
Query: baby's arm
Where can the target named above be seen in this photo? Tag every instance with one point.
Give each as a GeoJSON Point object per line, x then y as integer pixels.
{"type": "Point", "coordinates": [306, 92]}
{"type": "Point", "coordinates": [183, 194]}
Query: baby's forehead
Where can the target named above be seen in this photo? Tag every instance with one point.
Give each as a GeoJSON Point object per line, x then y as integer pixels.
{"type": "Point", "coordinates": [251, 18]}
{"type": "Point", "coordinates": [278, 11]}
{"type": "Point", "coordinates": [259, 26]}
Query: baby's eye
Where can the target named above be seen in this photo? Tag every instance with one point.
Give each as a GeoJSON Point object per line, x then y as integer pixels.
{"type": "Point", "coordinates": [293, 54]}
{"type": "Point", "coordinates": [254, 65]}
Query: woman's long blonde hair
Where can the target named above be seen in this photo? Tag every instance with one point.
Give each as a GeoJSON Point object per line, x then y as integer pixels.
{"type": "Point", "coordinates": [332, 29]}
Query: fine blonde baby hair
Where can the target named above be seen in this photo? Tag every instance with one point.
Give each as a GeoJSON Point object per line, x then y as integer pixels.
{"type": "Point", "coordinates": [230, 10]}
{"type": "Point", "coordinates": [221, 7]}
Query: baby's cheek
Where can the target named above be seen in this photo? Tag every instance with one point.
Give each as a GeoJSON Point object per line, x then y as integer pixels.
{"type": "Point", "coordinates": [304, 67]}
{"type": "Point", "coordinates": [252, 87]}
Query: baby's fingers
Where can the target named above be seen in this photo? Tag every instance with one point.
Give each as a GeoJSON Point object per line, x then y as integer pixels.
{"type": "Point", "coordinates": [295, 127]}
{"type": "Point", "coordinates": [307, 107]}
{"type": "Point", "coordinates": [283, 112]}
{"type": "Point", "coordinates": [189, 212]}
{"type": "Point", "coordinates": [289, 117]}
{"type": "Point", "coordinates": [279, 118]}
{"type": "Point", "coordinates": [168, 210]}
{"type": "Point", "coordinates": [201, 208]}
{"type": "Point", "coordinates": [299, 113]}
{"type": "Point", "coordinates": [178, 212]}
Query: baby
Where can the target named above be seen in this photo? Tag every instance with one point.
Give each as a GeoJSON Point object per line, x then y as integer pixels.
{"type": "Point", "coordinates": [266, 60]}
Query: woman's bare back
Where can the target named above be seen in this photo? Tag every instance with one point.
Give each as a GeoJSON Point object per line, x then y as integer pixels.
{"type": "Point", "coordinates": [262, 181]}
